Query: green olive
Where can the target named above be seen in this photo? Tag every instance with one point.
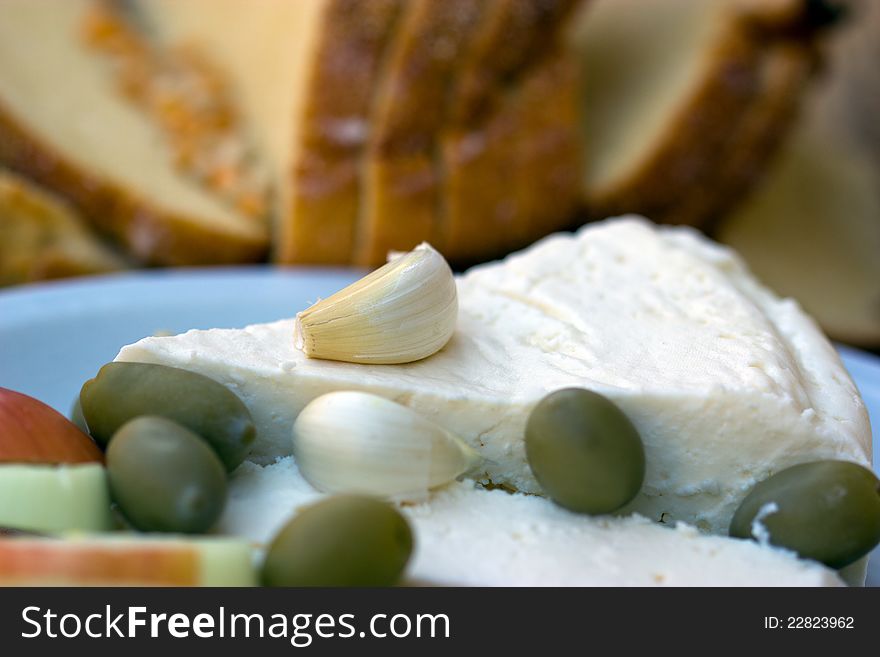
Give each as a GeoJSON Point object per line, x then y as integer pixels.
{"type": "Point", "coordinates": [122, 391]}
{"type": "Point", "coordinates": [164, 477]}
{"type": "Point", "coordinates": [828, 511]}
{"type": "Point", "coordinates": [347, 540]}
{"type": "Point", "coordinates": [585, 453]}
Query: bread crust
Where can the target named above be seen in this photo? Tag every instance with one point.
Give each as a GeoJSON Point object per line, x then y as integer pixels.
{"type": "Point", "coordinates": [518, 177]}
{"type": "Point", "coordinates": [399, 206]}
{"type": "Point", "coordinates": [549, 152]}
{"type": "Point", "coordinates": [784, 73]}
{"type": "Point", "coordinates": [318, 224]}
{"type": "Point", "coordinates": [501, 130]}
{"type": "Point", "coordinates": [512, 36]}
{"type": "Point", "coordinates": [149, 232]}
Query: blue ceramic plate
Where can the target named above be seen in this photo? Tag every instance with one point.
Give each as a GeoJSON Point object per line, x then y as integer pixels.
{"type": "Point", "coordinates": [54, 336]}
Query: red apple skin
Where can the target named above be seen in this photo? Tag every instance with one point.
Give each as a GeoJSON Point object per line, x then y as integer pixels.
{"type": "Point", "coordinates": [32, 432]}
{"type": "Point", "coordinates": [35, 561]}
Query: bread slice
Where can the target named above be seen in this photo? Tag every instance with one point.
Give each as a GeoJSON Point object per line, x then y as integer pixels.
{"type": "Point", "coordinates": [517, 178]}
{"type": "Point", "coordinates": [749, 151]}
{"type": "Point", "coordinates": [319, 224]}
{"type": "Point", "coordinates": [548, 155]}
{"type": "Point", "coordinates": [400, 206]}
{"type": "Point", "coordinates": [864, 87]}
{"type": "Point", "coordinates": [669, 92]}
{"type": "Point", "coordinates": [494, 126]}
{"type": "Point", "coordinates": [304, 74]}
{"type": "Point", "coordinates": [41, 237]}
{"type": "Point", "coordinates": [188, 99]}
{"type": "Point", "coordinates": [315, 80]}
{"type": "Point", "coordinates": [64, 122]}
{"type": "Point", "coordinates": [850, 103]}
{"type": "Point", "coordinates": [511, 36]}
{"type": "Point", "coordinates": [812, 230]}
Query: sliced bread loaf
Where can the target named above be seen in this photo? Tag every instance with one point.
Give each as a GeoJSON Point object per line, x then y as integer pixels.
{"type": "Point", "coordinates": [305, 74]}
{"type": "Point", "coordinates": [65, 122]}
{"type": "Point", "coordinates": [350, 107]}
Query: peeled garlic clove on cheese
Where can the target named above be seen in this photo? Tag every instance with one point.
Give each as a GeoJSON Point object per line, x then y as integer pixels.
{"type": "Point", "coordinates": [404, 311]}
{"type": "Point", "coordinates": [355, 442]}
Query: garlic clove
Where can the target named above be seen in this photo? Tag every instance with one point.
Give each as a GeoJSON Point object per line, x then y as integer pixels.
{"type": "Point", "coordinates": [404, 311]}
{"type": "Point", "coordinates": [356, 442]}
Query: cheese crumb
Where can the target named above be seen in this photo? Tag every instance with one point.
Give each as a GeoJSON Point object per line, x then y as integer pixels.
{"type": "Point", "coordinates": [759, 530]}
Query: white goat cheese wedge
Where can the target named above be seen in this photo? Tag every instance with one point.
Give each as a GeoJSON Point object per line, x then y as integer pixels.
{"type": "Point", "coordinates": [726, 383]}
{"type": "Point", "coordinates": [468, 536]}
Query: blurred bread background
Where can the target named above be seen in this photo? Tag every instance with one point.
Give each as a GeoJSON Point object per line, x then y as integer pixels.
{"type": "Point", "coordinates": [141, 133]}
{"type": "Point", "coordinates": [811, 229]}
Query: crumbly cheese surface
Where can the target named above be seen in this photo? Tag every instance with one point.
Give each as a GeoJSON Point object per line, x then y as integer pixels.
{"type": "Point", "coordinates": [726, 383]}
{"type": "Point", "coordinates": [468, 536]}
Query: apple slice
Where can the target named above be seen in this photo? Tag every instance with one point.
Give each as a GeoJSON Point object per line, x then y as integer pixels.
{"type": "Point", "coordinates": [125, 560]}
{"type": "Point", "coordinates": [32, 432]}
{"type": "Point", "coordinates": [54, 498]}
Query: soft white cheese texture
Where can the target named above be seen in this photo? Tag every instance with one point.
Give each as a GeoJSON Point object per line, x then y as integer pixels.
{"type": "Point", "coordinates": [468, 536]}
{"type": "Point", "coordinates": [726, 382]}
